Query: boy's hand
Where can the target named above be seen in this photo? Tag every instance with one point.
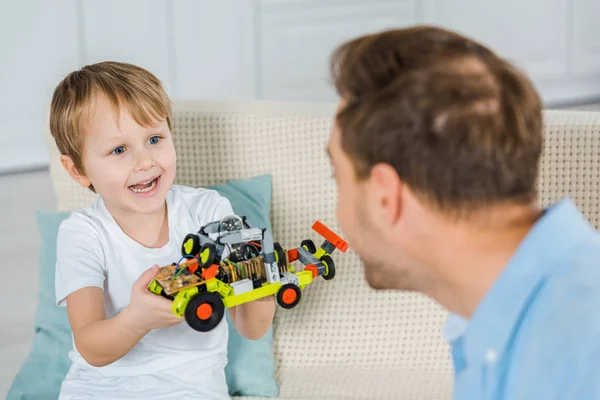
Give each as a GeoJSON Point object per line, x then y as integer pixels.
{"type": "Point", "coordinates": [146, 310]}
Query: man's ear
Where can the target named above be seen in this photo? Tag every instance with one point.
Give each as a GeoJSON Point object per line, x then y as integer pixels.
{"type": "Point", "coordinates": [386, 188]}
{"type": "Point", "coordinates": [70, 167]}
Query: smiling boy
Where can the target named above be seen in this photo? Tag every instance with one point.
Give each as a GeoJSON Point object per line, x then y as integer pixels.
{"type": "Point", "coordinates": [112, 124]}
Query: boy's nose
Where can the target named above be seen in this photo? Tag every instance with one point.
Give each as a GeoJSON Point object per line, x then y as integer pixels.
{"type": "Point", "coordinates": [143, 161]}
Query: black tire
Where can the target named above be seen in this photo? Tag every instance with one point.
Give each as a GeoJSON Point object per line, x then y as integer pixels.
{"type": "Point", "coordinates": [289, 296]}
{"type": "Point", "coordinates": [193, 246]}
{"type": "Point", "coordinates": [309, 245]}
{"type": "Point", "coordinates": [207, 259]}
{"type": "Point", "coordinates": [209, 321]}
{"type": "Point", "coordinates": [329, 267]}
{"type": "Point", "coordinates": [280, 255]}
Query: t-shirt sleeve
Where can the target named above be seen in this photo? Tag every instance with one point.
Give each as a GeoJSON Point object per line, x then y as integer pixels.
{"type": "Point", "coordinates": [222, 209]}
{"type": "Point", "coordinates": [79, 258]}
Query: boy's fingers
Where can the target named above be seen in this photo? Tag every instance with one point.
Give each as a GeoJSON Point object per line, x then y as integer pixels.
{"type": "Point", "coordinates": [158, 302]}
{"type": "Point", "coordinates": [144, 279]}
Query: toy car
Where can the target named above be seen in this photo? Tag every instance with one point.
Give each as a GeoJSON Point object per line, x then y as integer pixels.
{"type": "Point", "coordinates": [228, 263]}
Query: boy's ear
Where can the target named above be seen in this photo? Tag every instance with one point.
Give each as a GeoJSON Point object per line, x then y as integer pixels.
{"type": "Point", "coordinates": [69, 166]}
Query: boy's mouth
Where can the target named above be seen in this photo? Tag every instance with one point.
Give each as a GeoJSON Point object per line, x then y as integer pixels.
{"type": "Point", "coordinates": [144, 186]}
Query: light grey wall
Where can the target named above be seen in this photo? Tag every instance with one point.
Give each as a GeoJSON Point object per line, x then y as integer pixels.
{"type": "Point", "coordinates": [269, 49]}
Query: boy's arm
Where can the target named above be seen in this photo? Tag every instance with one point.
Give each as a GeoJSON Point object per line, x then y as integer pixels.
{"type": "Point", "coordinates": [102, 341]}
{"type": "Point", "coordinates": [252, 320]}
{"type": "Point", "coordinates": [79, 280]}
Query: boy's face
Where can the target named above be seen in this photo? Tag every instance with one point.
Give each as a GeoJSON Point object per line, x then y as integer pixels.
{"type": "Point", "coordinates": [130, 166]}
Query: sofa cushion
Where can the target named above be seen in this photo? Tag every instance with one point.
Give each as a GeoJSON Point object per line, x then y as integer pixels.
{"type": "Point", "coordinates": [250, 370]}
{"type": "Point", "coordinates": [343, 321]}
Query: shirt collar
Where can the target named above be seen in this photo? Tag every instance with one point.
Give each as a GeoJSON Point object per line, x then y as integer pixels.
{"type": "Point", "coordinates": [559, 229]}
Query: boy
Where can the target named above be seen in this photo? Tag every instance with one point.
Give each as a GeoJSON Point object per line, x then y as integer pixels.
{"type": "Point", "coordinates": [112, 124]}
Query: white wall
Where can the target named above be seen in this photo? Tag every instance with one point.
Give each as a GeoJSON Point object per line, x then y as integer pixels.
{"type": "Point", "coordinates": [38, 43]}
{"type": "Point", "coordinates": [268, 49]}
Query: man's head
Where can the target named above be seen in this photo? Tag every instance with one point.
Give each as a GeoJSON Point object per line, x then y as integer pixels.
{"type": "Point", "coordinates": [431, 126]}
{"type": "Point", "coordinates": [112, 124]}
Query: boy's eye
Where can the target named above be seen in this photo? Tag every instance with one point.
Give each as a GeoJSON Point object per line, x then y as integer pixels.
{"type": "Point", "coordinates": [118, 150]}
{"type": "Point", "coordinates": [154, 140]}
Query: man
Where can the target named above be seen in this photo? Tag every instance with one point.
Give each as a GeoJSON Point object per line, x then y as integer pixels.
{"type": "Point", "coordinates": [435, 150]}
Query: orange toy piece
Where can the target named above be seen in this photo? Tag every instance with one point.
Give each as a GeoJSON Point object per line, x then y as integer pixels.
{"type": "Point", "coordinates": [330, 236]}
{"type": "Point", "coordinates": [312, 268]}
{"type": "Point", "coordinates": [204, 311]}
{"type": "Point", "coordinates": [210, 272]}
{"type": "Point", "coordinates": [292, 255]}
{"type": "Point", "coordinates": [192, 266]}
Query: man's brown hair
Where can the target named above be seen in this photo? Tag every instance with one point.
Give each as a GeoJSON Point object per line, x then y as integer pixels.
{"type": "Point", "coordinates": [461, 126]}
{"type": "Point", "coordinates": [125, 85]}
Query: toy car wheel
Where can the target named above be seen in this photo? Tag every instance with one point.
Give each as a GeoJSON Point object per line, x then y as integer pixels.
{"type": "Point", "coordinates": [329, 267]}
{"type": "Point", "coordinates": [204, 311]}
{"type": "Point", "coordinates": [191, 245]}
{"type": "Point", "coordinates": [309, 245]}
{"type": "Point", "coordinates": [208, 255]}
{"type": "Point", "coordinates": [280, 256]}
{"type": "Point", "coordinates": [249, 251]}
{"type": "Point", "coordinates": [289, 296]}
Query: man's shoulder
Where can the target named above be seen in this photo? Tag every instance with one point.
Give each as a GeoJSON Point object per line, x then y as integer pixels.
{"type": "Point", "coordinates": [555, 343]}
{"type": "Point", "coordinates": [575, 280]}
{"type": "Point", "coordinates": [566, 310]}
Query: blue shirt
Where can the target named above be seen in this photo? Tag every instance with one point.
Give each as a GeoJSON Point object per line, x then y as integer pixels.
{"type": "Point", "coordinates": [536, 333]}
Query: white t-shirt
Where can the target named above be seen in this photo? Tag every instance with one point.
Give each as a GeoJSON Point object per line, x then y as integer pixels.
{"type": "Point", "coordinates": [92, 250]}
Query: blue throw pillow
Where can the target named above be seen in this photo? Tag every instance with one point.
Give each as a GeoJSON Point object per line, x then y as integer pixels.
{"type": "Point", "coordinates": [251, 367]}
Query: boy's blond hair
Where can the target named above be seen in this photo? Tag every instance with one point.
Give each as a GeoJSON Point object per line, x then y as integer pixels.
{"type": "Point", "coordinates": [125, 85]}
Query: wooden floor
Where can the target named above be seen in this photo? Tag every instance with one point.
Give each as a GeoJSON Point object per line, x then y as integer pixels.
{"type": "Point", "coordinates": [21, 195]}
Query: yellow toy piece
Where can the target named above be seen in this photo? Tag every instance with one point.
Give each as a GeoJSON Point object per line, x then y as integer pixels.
{"type": "Point", "coordinates": [216, 286]}
{"type": "Point", "coordinates": [182, 299]}
{"type": "Point", "coordinates": [305, 278]}
{"type": "Point", "coordinates": [154, 287]}
{"type": "Point", "coordinates": [268, 289]}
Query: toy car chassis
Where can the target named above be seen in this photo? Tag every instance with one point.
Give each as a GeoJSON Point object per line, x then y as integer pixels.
{"type": "Point", "coordinates": [228, 263]}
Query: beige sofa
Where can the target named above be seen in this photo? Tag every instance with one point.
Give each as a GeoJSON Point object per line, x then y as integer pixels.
{"type": "Point", "coordinates": [344, 341]}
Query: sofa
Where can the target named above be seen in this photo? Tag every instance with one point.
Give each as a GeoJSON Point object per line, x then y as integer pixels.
{"type": "Point", "coordinates": [344, 340]}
